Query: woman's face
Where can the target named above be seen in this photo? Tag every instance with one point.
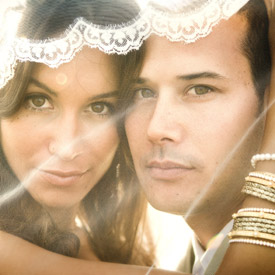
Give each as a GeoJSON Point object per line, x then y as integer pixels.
{"type": "Point", "coordinates": [63, 139]}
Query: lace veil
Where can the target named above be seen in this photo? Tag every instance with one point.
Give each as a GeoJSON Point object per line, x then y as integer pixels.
{"type": "Point", "coordinates": [185, 20]}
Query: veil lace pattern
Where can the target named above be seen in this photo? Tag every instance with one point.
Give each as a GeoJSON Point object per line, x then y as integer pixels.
{"type": "Point", "coordinates": [192, 22]}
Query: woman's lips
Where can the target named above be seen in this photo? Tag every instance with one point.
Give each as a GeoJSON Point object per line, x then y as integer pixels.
{"type": "Point", "coordinates": [167, 170]}
{"type": "Point", "coordinates": [61, 178]}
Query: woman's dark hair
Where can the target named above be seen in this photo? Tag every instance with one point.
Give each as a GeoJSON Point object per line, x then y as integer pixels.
{"type": "Point", "coordinates": [113, 210]}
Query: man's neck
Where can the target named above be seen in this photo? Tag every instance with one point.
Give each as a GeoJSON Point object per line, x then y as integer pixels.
{"type": "Point", "coordinates": [208, 224]}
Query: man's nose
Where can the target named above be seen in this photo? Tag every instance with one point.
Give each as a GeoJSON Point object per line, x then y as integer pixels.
{"type": "Point", "coordinates": [65, 140]}
{"type": "Point", "coordinates": [164, 126]}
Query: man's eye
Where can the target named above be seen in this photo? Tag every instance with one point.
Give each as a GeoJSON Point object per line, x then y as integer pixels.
{"type": "Point", "coordinates": [200, 90]}
{"type": "Point", "coordinates": [145, 93]}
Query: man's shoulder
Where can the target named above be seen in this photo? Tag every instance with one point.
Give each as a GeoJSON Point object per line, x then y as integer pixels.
{"type": "Point", "coordinates": [217, 258]}
{"type": "Point", "coordinates": [187, 263]}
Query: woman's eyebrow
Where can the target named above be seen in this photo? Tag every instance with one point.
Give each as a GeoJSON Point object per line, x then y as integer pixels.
{"type": "Point", "coordinates": [42, 86]}
{"type": "Point", "coordinates": [99, 96]}
{"type": "Point", "coordinates": [140, 80]}
{"type": "Point", "coordinates": [105, 95]}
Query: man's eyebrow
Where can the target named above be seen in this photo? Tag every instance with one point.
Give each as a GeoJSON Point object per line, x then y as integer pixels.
{"type": "Point", "coordinates": [212, 75]}
{"type": "Point", "coordinates": [201, 75]}
{"type": "Point", "coordinates": [42, 86]}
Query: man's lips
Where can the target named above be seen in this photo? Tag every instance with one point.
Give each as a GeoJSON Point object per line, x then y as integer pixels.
{"type": "Point", "coordinates": [168, 170]}
{"type": "Point", "coordinates": [61, 177]}
{"type": "Point", "coordinates": [167, 164]}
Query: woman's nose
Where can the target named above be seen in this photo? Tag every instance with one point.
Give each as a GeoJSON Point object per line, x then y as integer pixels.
{"type": "Point", "coordinates": [65, 140]}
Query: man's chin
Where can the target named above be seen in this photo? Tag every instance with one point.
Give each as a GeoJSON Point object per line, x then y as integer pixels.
{"type": "Point", "coordinates": [171, 197]}
{"type": "Point", "coordinates": [172, 206]}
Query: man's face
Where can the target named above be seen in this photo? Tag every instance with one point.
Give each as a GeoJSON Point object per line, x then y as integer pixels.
{"type": "Point", "coordinates": [193, 104]}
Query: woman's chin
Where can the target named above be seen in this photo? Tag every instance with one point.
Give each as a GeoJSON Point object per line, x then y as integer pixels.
{"type": "Point", "coordinates": [57, 203]}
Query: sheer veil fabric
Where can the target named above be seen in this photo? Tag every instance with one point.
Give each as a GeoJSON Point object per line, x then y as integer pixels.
{"type": "Point", "coordinates": [177, 20]}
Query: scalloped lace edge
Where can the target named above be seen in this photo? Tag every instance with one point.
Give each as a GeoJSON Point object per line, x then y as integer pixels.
{"type": "Point", "coordinates": [115, 39]}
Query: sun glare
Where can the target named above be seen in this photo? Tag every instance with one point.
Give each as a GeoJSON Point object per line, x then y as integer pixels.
{"type": "Point", "coordinates": [171, 235]}
{"type": "Point", "coordinates": [9, 18]}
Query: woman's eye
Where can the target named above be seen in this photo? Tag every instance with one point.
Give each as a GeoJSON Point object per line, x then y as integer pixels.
{"type": "Point", "coordinates": [199, 90]}
{"type": "Point", "coordinates": [145, 93]}
{"type": "Point", "coordinates": [101, 108]}
{"type": "Point", "coordinates": [37, 102]}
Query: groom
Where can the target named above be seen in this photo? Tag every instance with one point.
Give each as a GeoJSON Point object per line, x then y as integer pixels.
{"type": "Point", "coordinates": [197, 122]}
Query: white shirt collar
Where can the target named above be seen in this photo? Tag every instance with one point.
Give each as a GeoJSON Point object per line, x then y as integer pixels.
{"type": "Point", "coordinates": [202, 257]}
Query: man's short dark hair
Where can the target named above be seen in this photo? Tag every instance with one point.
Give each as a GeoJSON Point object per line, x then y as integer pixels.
{"type": "Point", "coordinates": [256, 45]}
